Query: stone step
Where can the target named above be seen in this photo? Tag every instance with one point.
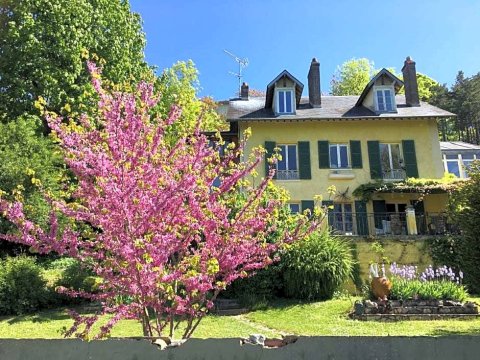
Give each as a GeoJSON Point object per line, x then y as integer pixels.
{"type": "Point", "coordinates": [224, 304]}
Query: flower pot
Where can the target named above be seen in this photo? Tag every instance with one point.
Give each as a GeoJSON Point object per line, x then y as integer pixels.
{"type": "Point", "coordinates": [381, 287]}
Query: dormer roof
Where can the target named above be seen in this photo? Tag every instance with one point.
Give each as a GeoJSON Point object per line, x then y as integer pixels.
{"type": "Point", "coordinates": [271, 88]}
{"type": "Point", "coordinates": [397, 83]}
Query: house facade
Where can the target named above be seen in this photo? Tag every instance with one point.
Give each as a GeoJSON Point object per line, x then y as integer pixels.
{"type": "Point", "coordinates": [347, 141]}
{"type": "Point", "coordinates": [457, 157]}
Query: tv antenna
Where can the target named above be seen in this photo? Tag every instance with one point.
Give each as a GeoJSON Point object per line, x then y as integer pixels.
{"type": "Point", "coordinates": [242, 64]}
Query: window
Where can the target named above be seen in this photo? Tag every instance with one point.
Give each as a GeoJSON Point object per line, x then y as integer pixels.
{"type": "Point", "coordinates": [385, 100]}
{"type": "Point", "coordinates": [392, 163]}
{"type": "Point", "coordinates": [339, 156]}
{"type": "Point", "coordinates": [294, 208]}
{"type": "Point", "coordinates": [285, 102]}
{"type": "Point", "coordinates": [287, 167]}
{"type": "Point", "coordinates": [342, 218]}
{"type": "Point", "coordinates": [458, 164]}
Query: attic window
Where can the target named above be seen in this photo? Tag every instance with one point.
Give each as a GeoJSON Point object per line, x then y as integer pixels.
{"type": "Point", "coordinates": [284, 101]}
{"type": "Point", "coordinates": [385, 99]}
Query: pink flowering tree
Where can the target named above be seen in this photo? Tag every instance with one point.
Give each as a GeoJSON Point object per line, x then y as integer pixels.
{"type": "Point", "coordinates": [148, 219]}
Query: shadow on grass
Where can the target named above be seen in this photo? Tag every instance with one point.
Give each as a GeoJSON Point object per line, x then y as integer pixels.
{"type": "Point", "coordinates": [46, 315]}
{"type": "Point", "coordinates": [447, 332]}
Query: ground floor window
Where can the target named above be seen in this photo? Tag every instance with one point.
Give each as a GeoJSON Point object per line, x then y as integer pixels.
{"type": "Point", "coordinates": [294, 208]}
{"type": "Point", "coordinates": [342, 218]}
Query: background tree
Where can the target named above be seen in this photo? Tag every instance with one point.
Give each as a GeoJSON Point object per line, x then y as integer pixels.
{"type": "Point", "coordinates": [352, 76]}
{"type": "Point", "coordinates": [44, 44]}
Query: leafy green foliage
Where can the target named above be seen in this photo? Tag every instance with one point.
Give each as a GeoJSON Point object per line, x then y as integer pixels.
{"type": "Point", "coordinates": [464, 208]}
{"type": "Point", "coordinates": [22, 288]}
{"type": "Point", "coordinates": [444, 250]}
{"type": "Point", "coordinates": [27, 161]}
{"type": "Point", "coordinates": [403, 289]}
{"type": "Point", "coordinates": [315, 267]}
{"type": "Point", "coordinates": [45, 44]}
{"type": "Point", "coordinates": [352, 77]}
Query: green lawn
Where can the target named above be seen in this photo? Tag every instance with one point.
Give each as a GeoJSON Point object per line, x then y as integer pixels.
{"type": "Point", "coordinates": [318, 318]}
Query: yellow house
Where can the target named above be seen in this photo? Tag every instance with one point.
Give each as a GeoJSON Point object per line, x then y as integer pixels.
{"type": "Point", "coordinates": [346, 141]}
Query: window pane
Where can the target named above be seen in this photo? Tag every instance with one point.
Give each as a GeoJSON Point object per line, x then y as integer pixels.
{"type": "Point", "coordinates": [347, 208]}
{"type": "Point", "coordinates": [452, 156]}
{"type": "Point", "coordinates": [292, 157]}
{"type": "Point", "coordinates": [343, 156]}
{"type": "Point", "coordinates": [288, 96]}
{"type": "Point", "coordinates": [395, 155]}
{"type": "Point", "coordinates": [281, 101]}
{"type": "Point", "coordinates": [385, 157]}
{"type": "Point", "coordinates": [294, 208]}
{"type": "Point", "coordinates": [282, 164]}
{"type": "Point", "coordinates": [453, 168]}
{"type": "Point", "coordinates": [388, 100]}
{"type": "Point", "coordinates": [467, 156]}
{"type": "Point", "coordinates": [381, 105]}
{"type": "Point", "coordinates": [333, 157]}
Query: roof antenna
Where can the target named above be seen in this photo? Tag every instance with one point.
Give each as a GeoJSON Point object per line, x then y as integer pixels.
{"type": "Point", "coordinates": [242, 64]}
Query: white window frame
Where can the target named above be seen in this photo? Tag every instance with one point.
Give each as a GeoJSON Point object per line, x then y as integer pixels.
{"type": "Point", "coordinates": [277, 101]}
{"type": "Point", "coordinates": [462, 169]}
{"type": "Point", "coordinates": [338, 145]}
{"type": "Point", "coordinates": [397, 174]}
{"type": "Point", "coordinates": [382, 89]}
{"type": "Point", "coordinates": [288, 174]}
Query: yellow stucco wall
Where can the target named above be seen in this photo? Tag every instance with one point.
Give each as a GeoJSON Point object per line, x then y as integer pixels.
{"type": "Point", "coordinates": [422, 131]}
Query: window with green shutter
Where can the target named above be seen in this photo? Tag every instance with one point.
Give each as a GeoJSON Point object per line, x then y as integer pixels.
{"type": "Point", "coordinates": [361, 217]}
{"type": "Point", "coordinates": [356, 154]}
{"type": "Point", "coordinates": [304, 160]}
{"type": "Point", "coordinates": [410, 158]}
{"type": "Point", "coordinates": [323, 155]}
{"type": "Point", "coordinates": [269, 146]}
{"type": "Point", "coordinates": [374, 159]}
{"type": "Point", "coordinates": [308, 204]}
{"type": "Point", "coordinates": [330, 211]}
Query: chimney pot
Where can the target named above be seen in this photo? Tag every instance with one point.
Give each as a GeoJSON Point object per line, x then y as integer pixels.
{"type": "Point", "coordinates": [410, 83]}
{"type": "Point", "coordinates": [244, 91]}
{"type": "Point", "coordinates": [314, 94]}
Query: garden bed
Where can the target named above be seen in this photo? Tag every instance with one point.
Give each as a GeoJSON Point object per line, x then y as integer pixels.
{"type": "Point", "coordinates": [398, 310]}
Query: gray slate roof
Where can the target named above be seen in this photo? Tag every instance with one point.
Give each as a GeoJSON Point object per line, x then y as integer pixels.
{"type": "Point", "coordinates": [457, 145]}
{"type": "Point", "coordinates": [333, 107]}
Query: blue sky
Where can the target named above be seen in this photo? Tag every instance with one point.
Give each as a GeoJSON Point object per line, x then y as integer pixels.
{"type": "Point", "coordinates": [440, 35]}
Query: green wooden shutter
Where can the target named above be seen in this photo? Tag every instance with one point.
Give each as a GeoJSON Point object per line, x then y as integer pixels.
{"type": "Point", "coordinates": [374, 159]}
{"type": "Point", "coordinates": [356, 154]}
{"type": "Point", "coordinates": [410, 158]}
{"type": "Point", "coordinates": [379, 213]}
{"type": "Point", "coordinates": [308, 204]}
{"type": "Point", "coordinates": [323, 155]}
{"type": "Point", "coordinates": [304, 160]}
{"type": "Point", "coordinates": [269, 146]}
{"type": "Point", "coordinates": [361, 217]}
{"type": "Point", "coordinates": [331, 216]}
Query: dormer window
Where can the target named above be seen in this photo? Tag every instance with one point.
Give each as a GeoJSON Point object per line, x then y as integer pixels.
{"type": "Point", "coordinates": [285, 104]}
{"type": "Point", "coordinates": [385, 99]}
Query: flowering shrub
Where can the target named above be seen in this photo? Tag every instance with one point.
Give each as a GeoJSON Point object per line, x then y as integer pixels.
{"type": "Point", "coordinates": [148, 218]}
{"type": "Point", "coordinates": [441, 283]}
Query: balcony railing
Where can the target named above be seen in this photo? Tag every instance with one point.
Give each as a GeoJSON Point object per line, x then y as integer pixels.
{"type": "Point", "coordinates": [388, 224]}
{"type": "Point", "coordinates": [394, 174]}
{"type": "Point", "coordinates": [287, 175]}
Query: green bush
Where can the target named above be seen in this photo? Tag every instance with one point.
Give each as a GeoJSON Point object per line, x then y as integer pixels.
{"type": "Point", "coordinates": [464, 209]}
{"type": "Point", "coordinates": [256, 291]}
{"type": "Point", "coordinates": [314, 268]}
{"type": "Point", "coordinates": [22, 288]}
{"type": "Point", "coordinates": [444, 250]}
{"type": "Point", "coordinates": [75, 276]}
{"type": "Point", "coordinates": [403, 289]}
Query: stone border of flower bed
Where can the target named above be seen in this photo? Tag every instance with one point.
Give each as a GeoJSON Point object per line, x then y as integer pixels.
{"type": "Point", "coordinates": [398, 310]}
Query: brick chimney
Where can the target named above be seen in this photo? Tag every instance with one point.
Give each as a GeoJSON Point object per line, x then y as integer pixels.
{"type": "Point", "coordinates": [244, 91]}
{"type": "Point", "coordinates": [314, 94]}
{"type": "Point", "coordinates": [410, 82]}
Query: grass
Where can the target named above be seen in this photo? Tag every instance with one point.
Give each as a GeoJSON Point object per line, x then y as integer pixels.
{"type": "Point", "coordinates": [318, 318]}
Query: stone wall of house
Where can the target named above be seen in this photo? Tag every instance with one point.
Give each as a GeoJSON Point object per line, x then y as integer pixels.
{"type": "Point", "coordinates": [330, 347]}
